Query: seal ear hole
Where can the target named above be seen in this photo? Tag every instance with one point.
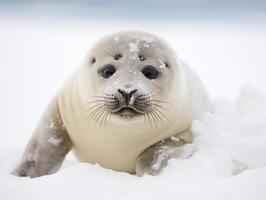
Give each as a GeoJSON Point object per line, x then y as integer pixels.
{"type": "Point", "coordinates": [166, 65]}
{"type": "Point", "coordinates": [93, 60]}
{"type": "Point", "coordinates": [117, 56]}
{"type": "Point", "coordinates": [141, 58]}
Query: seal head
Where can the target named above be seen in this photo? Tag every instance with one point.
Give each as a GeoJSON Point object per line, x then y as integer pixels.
{"type": "Point", "coordinates": [129, 75]}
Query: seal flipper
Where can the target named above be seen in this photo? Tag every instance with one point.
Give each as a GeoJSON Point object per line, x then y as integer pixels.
{"type": "Point", "coordinates": [48, 146]}
{"type": "Point", "coordinates": [155, 158]}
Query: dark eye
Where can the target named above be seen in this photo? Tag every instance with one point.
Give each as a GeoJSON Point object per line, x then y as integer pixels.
{"type": "Point", "coordinates": [150, 72]}
{"type": "Point", "coordinates": [107, 71]}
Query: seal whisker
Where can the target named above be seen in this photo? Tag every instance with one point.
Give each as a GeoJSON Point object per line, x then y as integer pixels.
{"type": "Point", "coordinates": [161, 101]}
{"type": "Point", "coordinates": [160, 112]}
{"type": "Point", "coordinates": [149, 118]}
{"type": "Point", "coordinates": [96, 101]}
{"type": "Point", "coordinates": [117, 52]}
{"type": "Point", "coordinates": [103, 116]}
{"type": "Point", "coordinates": [110, 115]}
{"type": "Point", "coordinates": [159, 106]}
{"type": "Point", "coordinates": [112, 50]}
{"type": "Point", "coordinates": [154, 117]}
{"type": "Point", "coordinates": [146, 117]}
{"type": "Point", "coordinates": [109, 50]}
{"type": "Point", "coordinates": [100, 114]}
{"type": "Point", "coordinates": [97, 97]}
{"type": "Point", "coordinates": [93, 113]}
{"type": "Point", "coordinates": [159, 117]}
{"type": "Point", "coordinates": [108, 112]}
{"type": "Point", "coordinates": [90, 108]}
{"type": "Point", "coordinates": [146, 113]}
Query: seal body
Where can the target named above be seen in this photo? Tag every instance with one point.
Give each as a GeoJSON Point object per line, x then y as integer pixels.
{"type": "Point", "coordinates": [117, 144]}
{"type": "Point", "coordinates": [130, 93]}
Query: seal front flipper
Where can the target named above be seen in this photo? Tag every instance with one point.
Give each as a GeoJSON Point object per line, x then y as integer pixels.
{"type": "Point", "coordinates": [48, 146]}
{"type": "Point", "coordinates": [155, 158]}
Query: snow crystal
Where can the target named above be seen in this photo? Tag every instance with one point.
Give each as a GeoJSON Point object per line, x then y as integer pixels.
{"type": "Point", "coordinates": [33, 156]}
{"type": "Point", "coordinates": [51, 124]}
{"type": "Point", "coordinates": [162, 65]}
{"type": "Point", "coordinates": [174, 138]}
{"type": "Point", "coordinates": [183, 152]}
{"type": "Point", "coordinates": [133, 47]}
{"type": "Point", "coordinates": [162, 154]}
{"type": "Point", "coordinates": [148, 39]}
{"type": "Point", "coordinates": [131, 101]}
{"type": "Point", "coordinates": [55, 141]}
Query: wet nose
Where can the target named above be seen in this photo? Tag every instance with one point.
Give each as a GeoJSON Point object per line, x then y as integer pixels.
{"type": "Point", "coordinates": [127, 95]}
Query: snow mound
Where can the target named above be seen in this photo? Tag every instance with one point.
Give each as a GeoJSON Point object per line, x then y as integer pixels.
{"type": "Point", "coordinates": [232, 136]}
{"type": "Point", "coordinates": [228, 162]}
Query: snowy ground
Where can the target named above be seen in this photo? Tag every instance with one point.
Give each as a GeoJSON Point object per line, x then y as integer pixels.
{"type": "Point", "coordinates": [36, 56]}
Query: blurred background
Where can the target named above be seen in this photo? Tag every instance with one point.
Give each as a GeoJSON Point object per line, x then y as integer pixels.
{"type": "Point", "coordinates": [137, 9]}
{"type": "Point", "coordinates": [42, 42]}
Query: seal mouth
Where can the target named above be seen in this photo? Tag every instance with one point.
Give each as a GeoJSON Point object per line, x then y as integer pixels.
{"type": "Point", "coordinates": [127, 113]}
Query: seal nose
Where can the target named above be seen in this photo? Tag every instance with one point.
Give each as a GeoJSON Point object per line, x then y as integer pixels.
{"type": "Point", "coordinates": [127, 95]}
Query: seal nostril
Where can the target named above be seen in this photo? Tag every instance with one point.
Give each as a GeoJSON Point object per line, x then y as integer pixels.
{"type": "Point", "coordinates": [122, 92]}
{"type": "Point", "coordinates": [127, 95]}
{"type": "Point", "coordinates": [132, 92]}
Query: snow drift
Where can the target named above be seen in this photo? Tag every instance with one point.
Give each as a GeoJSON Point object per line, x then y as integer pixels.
{"type": "Point", "coordinates": [228, 162]}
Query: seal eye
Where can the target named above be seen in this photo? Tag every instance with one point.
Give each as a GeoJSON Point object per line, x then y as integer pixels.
{"type": "Point", "coordinates": [150, 72]}
{"type": "Point", "coordinates": [107, 71]}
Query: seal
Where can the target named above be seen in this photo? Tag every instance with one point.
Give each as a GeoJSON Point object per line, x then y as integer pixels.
{"type": "Point", "coordinates": [128, 107]}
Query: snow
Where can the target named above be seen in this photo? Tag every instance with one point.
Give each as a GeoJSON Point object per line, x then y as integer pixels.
{"type": "Point", "coordinates": [147, 39]}
{"type": "Point", "coordinates": [227, 157]}
{"type": "Point", "coordinates": [34, 155]}
{"type": "Point", "coordinates": [162, 65]}
{"type": "Point", "coordinates": [235, 131]}
{"type": "Point", "coordinates": [55, 141]}
{"type": "Point", "coordinates": [51, 125]}
{"type": "Point", "coordinates": [174, 138]}
{"type": "Point", "coordinates": [133, 48]}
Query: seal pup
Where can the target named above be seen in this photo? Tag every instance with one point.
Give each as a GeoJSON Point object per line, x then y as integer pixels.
{"type": "Point", "coordinates": [128, 107]}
